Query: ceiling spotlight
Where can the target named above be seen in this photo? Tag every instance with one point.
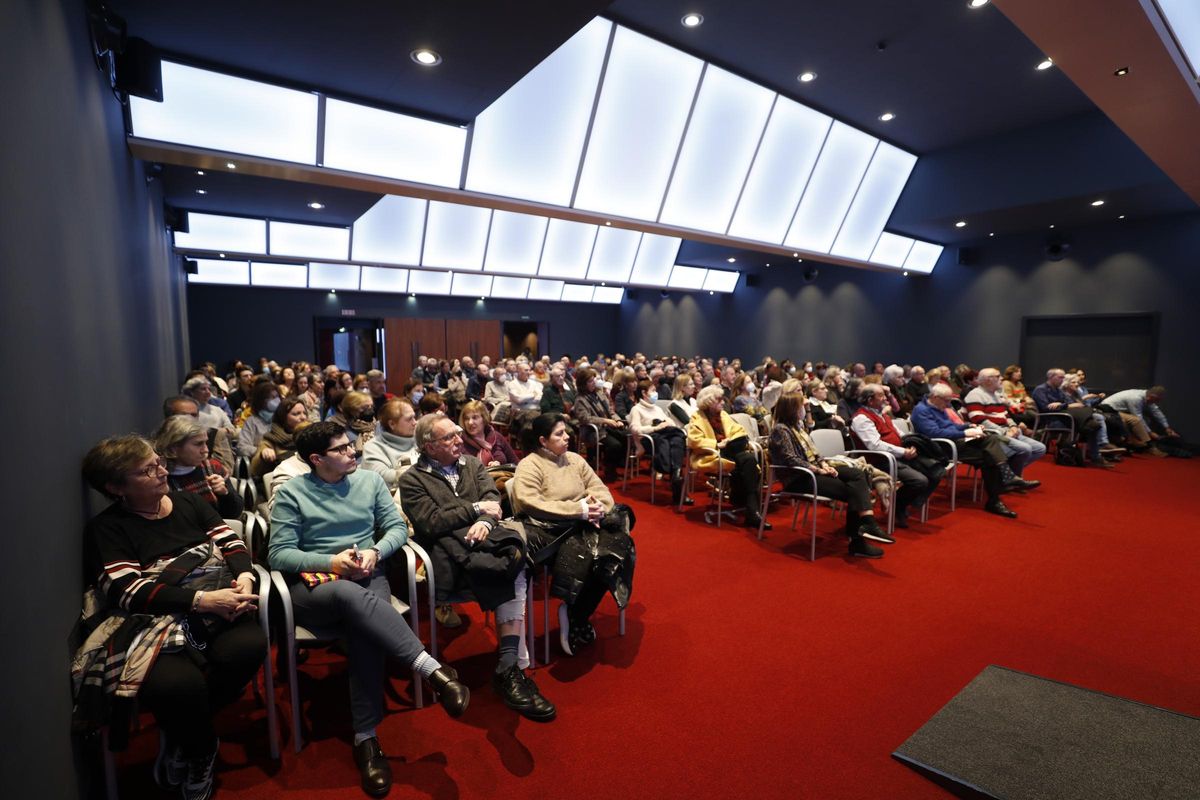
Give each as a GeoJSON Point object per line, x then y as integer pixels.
{"type": "Point", "coordinates": [230, 165]}
{"type": "Point", "coordinates": [426, 58]}
{"type": "Point", "coordinates": [962, 223]}
{"type": "Point", "coordinates": [731, 259]}
{"type": "Point", "coordinates": [341, 330]}
{"type": "Point", "coordinates": [481, 299]}
{"type": "Point", "coordinates": [414, 294]}
{"type": "Point", "coordinates": [806, 77]}
{"type": "Point", "coordinates": [991, 234]}
{"type": "Point", "coordinates": [220, 255]}
{"type": "Point", "coordinates": [692, 20]}
{"type": "Point", "coordinates": [710, 291]}
{"type": "Point", "coordinates": [1121, 72]}
{"type": "Point", "coordinates": [1121, 217]}
{"type": "Point", "coordinates": [906, 271]}
{"type": "Point", "coordinates": [201, 191]}
{"type": "Point", "coordinates": [795, 255]}
{"type": "Point", "coordinates": [799, 260]}
{"type": "Point", "coordinates": [768, 265]}
{"type": "Point", "coordinates": [1046, 64]}
{"type": "Point", "coordinates": [334, 291]}
{"type": "Point", "coordinates": [316, 206]}
{"type": "Point", "coordinates": [976, 4]}
{"type": "Point", "coordinates": [199, 172]}
{"type": "Point", "coordinates": [1051, 227]}
{"type": "Point", "coordinates": [609, 224]}
{"type": "Point", "coordinates": [887, 116]}
{"type": "Point", "coordinates": [1097, 202]}
{"type": "Point", "coordinates": [603, 283]}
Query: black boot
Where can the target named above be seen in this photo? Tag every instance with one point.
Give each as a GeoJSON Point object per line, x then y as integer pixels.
{"type": "Point", "coordinates": [453, 695]}
{"type": "Point", "coordinates": [870, 529]}
{"type": "Point", "coordinates": [861, 548]}
{"type": "Point", "coordinates": [373, 769]}
{"type": "Point", "coordinates": [520, 693]}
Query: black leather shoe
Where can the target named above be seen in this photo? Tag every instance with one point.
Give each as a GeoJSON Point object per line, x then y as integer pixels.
{"type": "Point", "coordinates": [454, 696]}
{"type": "Point", "coordinates": [861, 548]}
{"type": "Point", "coordinates": [752, 521]}
{"type": "Point", "coordinates": [1021, 485]}
{"type": "Point", "coordinates": [520, 693]}
{"type": "Point", "coordinates": [999, 509]}
{"type": "Point", "coordinates": [373, 768]}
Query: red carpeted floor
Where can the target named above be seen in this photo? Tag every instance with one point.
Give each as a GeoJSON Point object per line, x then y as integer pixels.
{"type": "Point", "coordinates": [748, 671]}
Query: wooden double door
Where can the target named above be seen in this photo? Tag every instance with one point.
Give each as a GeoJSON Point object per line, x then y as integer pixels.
{"type": "Point", "coordinates": [405, 338]}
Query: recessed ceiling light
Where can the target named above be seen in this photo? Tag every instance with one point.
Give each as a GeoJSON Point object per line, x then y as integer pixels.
{"type": "Point", "coordinates": [692, 20]}
{"type": "Point", "coordinates": [481, 299]}
{"type": "Point", "coordinates": [991, 234]}
{"type": "Point", "coordinates": [1121, 72]}
{"type": "Point", "coordinates": [425, 57]}
{"type": "Point", "coordinates": [795, 255]}
{"type": "Point", "coordinates": [341, 330]}
{"type": "Point", "coordinates": [1121, 217]}
{"type": "Point", "coordinates": [199, 172]}
{"type": "Point", "coordinates": [799, 260]}
{"type": "Point", "coordinates": [1051, 226]}
{"type": "Point", "coordinates": [334, 291]}
{"type": "Point", "coordinates": [906, 273]}
{"type": "Point", "coordinates": [768, 265]}
{"type": "Point", "coordinates": [414, 294]}
{"type": "Point", "coordinates": [806, 77]}
{"type": "Point", "coordinates": [977, 3]}
{"type": "Point", "coordinates": [201, 191]}
{"type": "Point", "coordinates": [887, 116]}
{"type": "Point", "coordinates": [1046, 64]}
{"type": "Point", "coordinates": [962, 223]}
{"type": "Point", "coordinates": [1097, 202]}
{"type": "Point", "coordinates": [220, 255]}
{"type": "Point", "coordinates": [316, 206]}
{"type": "Point", "coordinates": [603, 283]}
{"type": "Point", "coordinates": [230, 165]}
{"type": "Point", "coordinates": [731, 259]}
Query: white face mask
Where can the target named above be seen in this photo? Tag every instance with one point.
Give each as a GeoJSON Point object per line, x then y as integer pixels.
{"type": "Point", "coordinates": [416, 396]}
{"type": "Point", "coordinates": [652, 397]}
{"type": "Point", "coordinates": [273, 404]}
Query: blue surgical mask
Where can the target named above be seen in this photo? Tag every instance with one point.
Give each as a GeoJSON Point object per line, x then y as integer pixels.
{"type": "Point", "coordinates": [272, 404]}
{"type": "Point", "coordinates": [266, 414]}
{"type": "Point", "coordinates": [416, 396]}
{"type": "Point", "coordinates": [653, 397]}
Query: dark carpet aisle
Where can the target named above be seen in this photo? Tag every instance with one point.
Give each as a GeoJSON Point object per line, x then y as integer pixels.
{"type": "Point", "coordinates": [748, 671]}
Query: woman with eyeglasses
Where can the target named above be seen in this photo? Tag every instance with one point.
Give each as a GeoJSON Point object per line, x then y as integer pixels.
{"type": "Point", "coordinates": [183, 443]}
{"type": "Point", "coordinates": [171, 615]}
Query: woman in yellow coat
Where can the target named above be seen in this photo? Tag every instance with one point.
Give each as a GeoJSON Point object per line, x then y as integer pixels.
{"type": "Point", "coordinates": [714, 437]}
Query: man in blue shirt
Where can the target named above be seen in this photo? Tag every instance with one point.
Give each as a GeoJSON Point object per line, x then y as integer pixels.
{"type": "Point", "coordinates": [323, 540]}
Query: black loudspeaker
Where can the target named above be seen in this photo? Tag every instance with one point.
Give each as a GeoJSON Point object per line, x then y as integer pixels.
{"type": "Point", "coordinates": [631, 294]}
{"type": "Point", "coordinates": [1056, 249]}
{"type": "Point", "coordinates": [139, 70]}
{"type": "Point", "coordinates": [810, 274]}
{"type": "Point", "coordinates": [752, 280]}
{"type": "Point", "coordinates": [175, 219]}
{"type": "Point", "coordinates": [191, 266]}
{"type": "Point", "coordinates": [968, 256]}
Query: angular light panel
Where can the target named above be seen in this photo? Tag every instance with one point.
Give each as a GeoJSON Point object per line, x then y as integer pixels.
{"type": "Point", "coordinates": [923, 257]}
{"type": "Point", "coordinates": [227, 234]}
{"type": "Point", "coordinates": [720, 280]}
{"type": "Point", "coordinates": [831, 189]}
{"type": "Point", "coordinates": [578, 293]}
{"type": "Point", "coordinates": [291, 276]}
{"type": "Point", "coordinates": [391, 231]}
{"type": "Point", "coordinates": [376, 142]}
{"type": "Point", "coordinates": [309, 241]}
{"type": "Point", "coordinates": [220, 112]}
{"type": "Point", "coordinates": [608, 294]}
{"type": "Point", "coordinates": [215, 270]}
{"type": "Point", "coordinates": [466, 284]}
{"type": "Point", "coordinates": [422, 282]}
{"type": "Point", "coordinates": [382, 279]}
{"type": "Point", "coordinates": [512, 288]}
{"type": "Point", "coordinates": [877, 196]}
{"type": "Point", "coordinates": [455, 236]}
{"type": "Point", "coordinates": [612, 258]}
{"type": "Point", "coordinates": [892, 250]}
{"type": "Point", "coordinates": [528, 143]}
{"type": "Point", "coordinates": [545, 290]}
{"type": "Point", "coordinates": [1184, 18]}
{"type": "Point", "coordinates": [515, 243]}
{"type": "Point", "coordinates": [718, 147]}
{"type": "Point", "coordinates": [647, 92]}
{"type": "Point", "coordinates": [687, 277]}
{"type": "Point", "coordinates": [785, 160]}
{"type": "Point", "coordinates": [568, 249]}
{"type": "Point", "coordinates": [655, 258]}
{"type": "Point", "coordinates": [332, 276]}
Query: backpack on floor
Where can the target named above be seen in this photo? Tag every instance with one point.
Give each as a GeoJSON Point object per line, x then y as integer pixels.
{"type": "Point", "coordinates": [1068, 455]}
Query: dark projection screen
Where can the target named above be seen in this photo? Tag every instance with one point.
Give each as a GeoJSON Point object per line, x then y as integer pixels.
{"type": "Point", "coordinates": [1116, 350]}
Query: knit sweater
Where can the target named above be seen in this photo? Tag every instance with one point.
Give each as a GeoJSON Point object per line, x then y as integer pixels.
{"type": "Point", "coordinates": [551, 488]}
{"type": "Point", "coordinates": [313, 520]}
{"type": "Point", "coordinates": [390, 455]}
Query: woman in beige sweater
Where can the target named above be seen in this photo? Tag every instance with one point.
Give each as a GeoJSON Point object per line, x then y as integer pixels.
{"type": "Point", "coordinates": [571, 517]}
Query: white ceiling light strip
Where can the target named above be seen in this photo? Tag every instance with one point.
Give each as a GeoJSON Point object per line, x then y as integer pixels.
{"type": "Point", "coordinates": [309, 241]}
{"type": "Point", "coordinates": [831, 189]}
{"type": "Point", "coordinates": [384, 279]}
{"type": "Point", "coordinates": [891, 250]}
{"type": "Point", "coordinates": [644, 103]}
{"type": "Point", "coordinates": [206, 109]}
{"type": "Point", "coordinates": [333, 276]}
{"type": "Point", "coordinates": [722, 135]}
{"type": "Point", "coordinates": [391, 231]}
{"type": "Point", "coordinates": [655, 258]}
{"type": "Point", "coordinates": [613, 255]}
{"type": "Point", "coordinates": [223, 234]}
{"type": "Point", "coordinates": [422, 282]}
{"type": "Point", "coordinates": [510, 288]}
{"type": "Point", "coordinates": [529, 142]}
{"type": "Point", "coordinates": [230, 273]}
{"type": "Point", "coordinates": [376, 142]}
{"type": "Point", "coordinates": [515, 243]}
{"type": "Point", "coordinates": [466, 284]}
{"type": "Point", "coordinates": [691, 278]}
{"type": "Point", "coordinates": [577, 293]}
{"type": "Point", "coordinates": [922, 257]}
{"type": "Point", "coordinates": [568, 249]}
{"type": "Point", "coordinates": [456, 236]}
{"type": "Point", "coordinates": [545, 290]}
{"type": "Point", "coordinates": [608, 294]}
{"type": "Point", "coordinates": [720, 280]}
{"type": "Point", "coordinates": [877, 196]}
{"type": "Point", "coordinates": [288, 276]}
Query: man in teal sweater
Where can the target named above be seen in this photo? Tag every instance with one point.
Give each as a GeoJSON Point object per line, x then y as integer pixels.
{"type": "Point", "coordinates": [323, 540]}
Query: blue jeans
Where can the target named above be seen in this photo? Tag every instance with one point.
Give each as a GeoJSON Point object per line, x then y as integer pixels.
{"type": "Point", "coordinates": [1023, 451]}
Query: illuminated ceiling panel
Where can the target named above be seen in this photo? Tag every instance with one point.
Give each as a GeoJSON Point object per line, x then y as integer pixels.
{"type": "Point", "coordinates": [528, 143]}
{"type": "Point", "coordinates": [455, 236]}
{"type": "Point", "coordinates": [422, 282]}
{"type": "Point", "coordinates": [332, 276]}
{"type": "Point", "coordinates": [515, 243]}
{"type": "Point", "coordinates": [1184, 18]}
{"type": "Point", "coordinates": [720, 280]}
{"type": "Point", "coordinates": [545, 290]}
{"type": "Point", "coordinates": [612, 258]}
{"type": "Point", "coordinates": [577, 293]}
{"type": "Point", "coordinates": [922, 257]}
{"type": "Point", "coordinates": [309, 241]}
{"type": "Point", "coordinates": [687, 277]}
{"type": "Point", "coordinates": [375, 142]}
{"type": "Point", "coordinates": [877, 196]}
{"type": "Point", "coordinates": [781, 169]}
{"type": "Point", "coordinates": [466, 284]}
{"type": "Point", "coordinates": [235, 115]}
{"type": "Point", "coordinates": [383, 279]}
{"type": "Point", "coordinates": [721, 138]}
{"type": "Point", "coordinates": [568, 249]}
{"type": "Point", "coordinates": [892, 250]}
{"type": "Point", "coordinates": [214, 270]}
{"type": "Point", "coordinates": [608, 294]}
{"type": "Point", "coordinates": [291, 276]}
{"type": "Point", "coordinates": [391, 231]}
{"type": "Point", "coordinates": [647, 92]}
{"type": "Point", "coordinates": [655, 258]}
{"type": "Point", "coordinates": [513, 288]}
{"type": "Point", "coordinates": [225, 234]}
{"type": "Point", "coordinates": [831, 189]}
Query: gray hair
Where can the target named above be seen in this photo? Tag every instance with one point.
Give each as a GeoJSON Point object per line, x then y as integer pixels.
{"type": "Point", "coordinates": [1050, 373]}
{"type": "Point", "coordinates": [941, 390]}
{"type": "Point", "coordinates": [424, 432]}
{"type": "Point", "coordinates": [891, 372]}
{"type": "Point", "coordinates": [195, 383]}
{"type": "Point", "coordinates": [710, 395]}
{"type": "Point", "coordinates": [175, 431]}
{"type": "Point", "coordinates": [869, 390]}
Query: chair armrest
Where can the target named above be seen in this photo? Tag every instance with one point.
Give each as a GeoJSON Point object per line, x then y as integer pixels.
{"type": "Point", "coordinates": [285, 602]}
{"type": "Point", "coordinates": [774, 469]}
{"type": "Point", "coordinates": [888, 459]}
{"type": "Point", "coordinates": [949, 443]}
{"type": "Point", "coordinates": [264, 599]}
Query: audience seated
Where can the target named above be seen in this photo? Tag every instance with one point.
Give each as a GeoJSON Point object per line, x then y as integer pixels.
{"type": "Point", "coordinates": [172, 580]}
{"type": "Point", "coordinates": [478, 382]}
{"type": "Point", "coordinates": [1089, 425]}
{"type": "Point", "coordinates": [683, 399]}
{"type": "Point", "coordinates": [183, 444]}
{"type": "Point", "coordinates": [496, 390]}
{"type": "Point", "coordinates": [592, 407]}
{"type": "Point", "coordinates": [625, 393]}
{"type": "Point", "coordinates": [278, 443]}
{"type": "Point", "coordinates": [357, 415]}
{"type": "Point", "coordinates": [714, 437]}
{"type": "Point", "coordinates": [572, 522]}
{"type": "Point", "coordinates": [1133, 405]}
{"type": "Point", "coordinates": [264, 400]}
{"type": "Point", "coordinates": [824, 414]}
{"type": "Point", "coordinates": [323, 540]}
{"type": "Point", "coordinates": [670, 442]}
{"type": "Point", "coordinates": [986, 407]}
{"type": "Point", "coordinates": [524, 391]}
{"type": "Point", "coordinates": [392, 449]}
{"type": "Point", "coordinates": [218, 438]}
{"type": "Point", "coordinates": [559, 395]}
{"type": "Point", "coordinates": [745, 401]}
{"type": "Point", "coordinates": [481, 440]}
{"type": "Point", "coordinates": [455, 512]}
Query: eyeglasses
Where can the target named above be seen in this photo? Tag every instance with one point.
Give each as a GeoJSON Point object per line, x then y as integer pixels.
{"type": "Point", "coordinates": [152, 470]}
{"type": "Point", "coordinates": [451, 436]}
{"type": "Point", "coordinates": [341, 449]}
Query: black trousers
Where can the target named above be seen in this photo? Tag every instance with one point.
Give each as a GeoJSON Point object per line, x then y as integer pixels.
{"type": "Point", "coordinates": [988, 453]}
{"type": "Point", "coordinates": [850, 486]}
{"type": "Point", "coordinates": [612, 445]}
{"type": "Point", "coordinates": [185, 690]}
{"type": "Point", "coordinates": [744, 480]}
{"type": "Point", "coordinates": [670, 448]}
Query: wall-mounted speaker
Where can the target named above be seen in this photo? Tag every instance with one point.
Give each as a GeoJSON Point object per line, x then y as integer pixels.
{"type": "Point", "coordinates": [752, 280]}
{"type": "Point", "coordinates": [968, 256]}
{"type": "Point", "coordinates": [811, 273]}
{"type": "Point", "coordinates": [139, 70]}
{"type": "Point", "coordinates": [175, 219]}
{"type": "Point", "coordinates": [1056, 249]}
{"type": "Point", "coordinates": [191, 266]}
